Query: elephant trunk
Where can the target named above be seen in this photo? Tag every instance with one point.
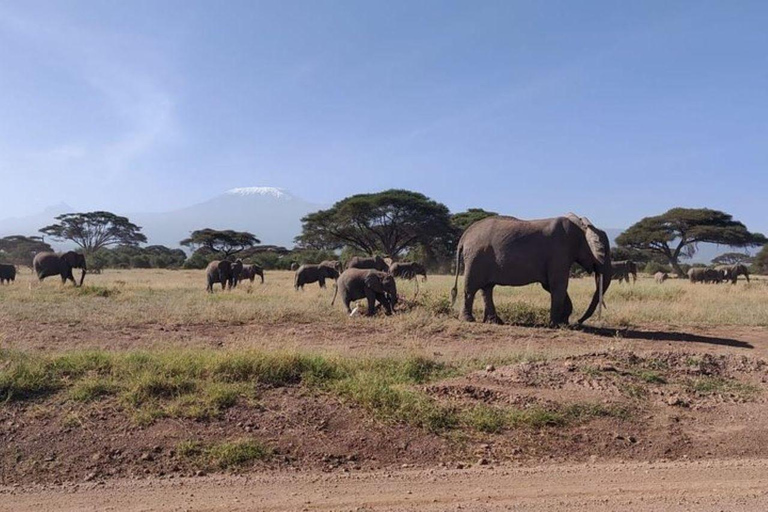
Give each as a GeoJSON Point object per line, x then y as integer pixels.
{"type": "Point", "coordinates": [602, 282]}
{"type": "Point", "coordinates": [82, 276]}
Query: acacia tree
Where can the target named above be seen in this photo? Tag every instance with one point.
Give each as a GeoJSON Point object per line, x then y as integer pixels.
{"type": "Point", "coordinates": [20, 250]}
{"type": "Point", "coordinates": [95, 230]}
{"type": "Point", "coordinates": [677, 233]}
{"type": "Point", "coordinates": [225, 242]}
{"type": "Point", "coordinates": [760, 265]}
{"type": "Point", "coordinates": [732, 258]}
{"type": "Point", "coordinates": [389, 222]}
{"type": "Point", "coordinates": [462, 220]}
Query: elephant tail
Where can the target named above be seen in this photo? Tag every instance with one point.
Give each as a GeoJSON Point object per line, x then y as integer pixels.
{"type": "Point", "coordinates": [335, 291]}
{"type": "Point", "coordinates": [455, 289]}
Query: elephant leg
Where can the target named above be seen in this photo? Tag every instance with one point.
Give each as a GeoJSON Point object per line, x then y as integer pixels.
{"type": "Point", "coordinates": [568, 309]}
{"type": "Point", "coordinates": [469, 301]}
{"type": "Point", "coordinates": [558, 308]}
{"type": "Point", "coordinates": [322, 282]}
{"type": "Point", "coordinates": [489, 314]}
{"type": "Point", "coordinates": [385, 303]}
{"type": "Point", "coordinates": [370, 296]}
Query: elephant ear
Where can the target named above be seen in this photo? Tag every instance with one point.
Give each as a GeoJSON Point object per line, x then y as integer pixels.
{"type": "Point", "coordinates": [594, 236]}
{"type": "Point", "coordinates": [373, 281]}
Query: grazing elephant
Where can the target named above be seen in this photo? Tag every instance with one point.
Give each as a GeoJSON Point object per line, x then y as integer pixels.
{"type": "Point", "coordinates": [334, 264]}
{"type": "Point", "coordinates": [294, 266]}
{"type": "Point", "coordinates": [408, 270]}
{"type": "Point", "coordinates": [623, 269]}
{"type": "Point", "coordinates": [705, 275]}
{"type": "Point", "coordinates": [373, 285]}
{"type": "Point", "coordinates": [377, 262]}
{"type": "Point", "coordinates": [508, 251]}
{"type": "Point", "coordinates": [307, 274]}
{"type": "Point", "coordinates": [251, 271]}
{"type": "Point", "coordinates": [48, 264]}
{"type": "Point", "coordinates": [237, 273]}
{"type": "Point", "coordinates": [660, 277]}
{"type": "Point", "coordinates": [7, 274]}
{"type": "Point", "coordinates": [732, 272]}
{"type": "Point", "coordinates": [218, 272]}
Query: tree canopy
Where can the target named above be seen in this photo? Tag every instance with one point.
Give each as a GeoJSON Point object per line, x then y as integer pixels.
{"type": "Point", "coordinates": [678, 232]}
{"type": "Point", "coordinates": [760, 265]}
{"type": "Point", "coordinates": [21, 250]}
{"type": "Point", "coordinates": [389, 222]}
{"type": "Point", "coordinates": [95, 230]}
{"type": "Point", "coordinates": [225, 242]}
{"type": "Point", "coordinates": [463, 220]}
{"type": "Point", "coordinates": [732, 258]}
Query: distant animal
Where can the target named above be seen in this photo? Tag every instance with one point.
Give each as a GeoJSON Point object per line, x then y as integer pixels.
{"type": "Point", "coordinates": [372, 285]}
{"type": "Point", "coordinates": [218, 272]}
{"type": "Point", "coordinates": [408, 270]}
{"type": "Point", "coordinates": [294, 266]}
{"type": "Point", "coordinates": [309, 273]}
{"type": "Point", "coordinates": [705, 275]}
{"type": "Point", "coordinates": [335, 264]}
{"type": "Point", "coordinates": [623, 269]}
{"type": "Point", "coordinates": [46, 264]}
{"type": "Point", "coordinates": [237, 271]}
{"type": "Point", "coordinates": [660, 277]}
{"type": "Point", "coordinates": [507, 251]}
{"type": "Point", "coordinates": [732, 272]}
{"type": "Point", "coordinates": [376, 262]}
{"type": "Point", "coordinates": [7, 273]}
{"type": "Point", "coordinates": [251, 271]}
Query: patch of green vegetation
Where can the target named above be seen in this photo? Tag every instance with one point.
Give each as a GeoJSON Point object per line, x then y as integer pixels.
{"type": "Point", "coordinates": [633, 390]}
{"type": "Point", "coordinates": [228, 454]}
{"type": "Point", "coordinates": [436, 304]}
{"type": "Point", "coordinates": [719, 385]}
{"type": "Point", "coordinates": [493, 420]}
{"type": "Point", "coordinates": [651, 377]}
{"type": "Point", "coordinates": [89, 290]}
{"type": "Point", "coordinates": [90, 389]}
{"type": "Point", "coordinates": [523, 313]}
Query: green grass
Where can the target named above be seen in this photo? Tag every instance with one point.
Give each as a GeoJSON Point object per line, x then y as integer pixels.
{"type": "Point", "coordinates": [719, 385]}
{"type": "Point", "coordinates": [229, 454]}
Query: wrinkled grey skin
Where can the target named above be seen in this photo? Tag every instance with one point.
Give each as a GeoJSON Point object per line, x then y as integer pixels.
{"type": "Point", "coordinates": [705, 275]}
{"type": "Point", "coordinates": [237, 273]}
{"type": "Point", "coordinates": [308, 273]}
{"type": "Point", "coordinates": [508, 251]}
{"type": "Point", "coordinates": [251, 271]}
{"type": "Point", "coordinates": [218, 272]}
{"type": "Point", "coordinates": [732, 272]}
{"type": "Point", "coordinates": [623, 269]}
{"type": "Point", "coordinates": [660, 277]}
{"type": "Point", "coordinates": [294, 266]}
{"type": "Point", "coordinates": [334, 264]}
{"type": "Point", "coordinates": [48, 264]}
{"type": "Point", "coordinates": [372, 285]}
{"type": "Point", "coordinates": [377, 262]}
{"type": "Point", "coordinates": [7, 274]}
{"type": "Point", "coordinates": [408, 270]}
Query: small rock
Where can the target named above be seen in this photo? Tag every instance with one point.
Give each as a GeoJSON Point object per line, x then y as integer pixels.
{"type": "Point", "coordinates": [199, 473]}
{"type": "Point", "coordinates": [89, 477]}
{"type": "Point", "coordinates": [146, 456]}
{"type": "Point", "coordinates": [490, 368]}
{"type": "Point", "coordinates": [482, 461]}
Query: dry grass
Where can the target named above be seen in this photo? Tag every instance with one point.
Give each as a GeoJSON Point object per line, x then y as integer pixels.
{"type": "Point", "coordinates": [131, 298]}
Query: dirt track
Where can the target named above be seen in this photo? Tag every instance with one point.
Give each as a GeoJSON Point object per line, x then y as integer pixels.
{"type": "Point", "coordinates": [701, 486]}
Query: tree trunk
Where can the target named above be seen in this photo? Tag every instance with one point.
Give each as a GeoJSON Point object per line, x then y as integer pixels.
{"type": "Point", "coordinates": [676, 267]}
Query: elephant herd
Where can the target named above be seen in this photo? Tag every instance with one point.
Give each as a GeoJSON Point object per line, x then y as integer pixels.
{"type": "Point", "coordinates": [228, 274]}
{"type": "Point", "coordinates": [719, 274]}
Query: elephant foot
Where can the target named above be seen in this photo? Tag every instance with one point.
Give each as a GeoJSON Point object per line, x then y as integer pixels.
{"type": "Point", "coordinates": [493, 319]}
{"type": "Point", "coordinates": [467, 317]}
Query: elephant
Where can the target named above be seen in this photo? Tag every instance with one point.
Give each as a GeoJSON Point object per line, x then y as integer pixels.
{"type": "Point", "coordinates": [660, 277]}
{"type": "Point", "coordinates": [334, 264]}
{"type": "Point", "coordinates": [732, 272]}
{"type": "Point", "coordinates": [373, 285]}
{"type": "Point", "coordinates": [376, 262]}
{"type": "Point", "coordinates": [294, 266]}
{"type": "Point", "coordinates": [623, 269]}
{"type": "Point", "coordinates": [705, 275]}
{"type": "Point", "coordinates": [251, 271]}
{"type": "Point", "coordinates": [237, 273]}
{"type": "Point", "coordinates": [7, 274]}
{"type": "Point", "coordinates": [408, 270]}
{"type": "Point", "coordinates": [219, 272]}
{"type": "Point", "coordinates": [48, 264]}
{"type": "Point", "coordinates": [309, 273]}
{"type": "Point", "coordinates": [508, 251]}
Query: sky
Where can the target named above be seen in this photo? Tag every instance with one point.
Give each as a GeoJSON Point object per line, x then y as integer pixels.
{"type": "Point", "coordinates": [613, 110]}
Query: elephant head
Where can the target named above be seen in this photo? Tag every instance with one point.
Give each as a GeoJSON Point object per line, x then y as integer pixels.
{"type": "Point", "coordinates": [75, 260]}
{"type": "Point", "coordinates": [384, 283]}
{"type": "Point", "coordinates": [595, 256]}
{"type": "Point", "coordinates": [330, 272]}
{"type": "Point", "coordinates": [379, 264]}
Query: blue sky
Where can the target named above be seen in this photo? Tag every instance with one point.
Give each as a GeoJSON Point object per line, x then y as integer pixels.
{"type": "Point", "coordinates": [614, 110]}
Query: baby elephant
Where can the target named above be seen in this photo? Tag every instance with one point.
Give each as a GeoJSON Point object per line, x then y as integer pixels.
{"type": "Point", "coordinates": [373, 285]}
{"type": "Point", "coordinates": [218, 272]}
{"type": "Point", "coordinates": [307, 274]}
{"type": "Point", "coordinates": [660, 277]}
{"type": "Point", "coordinates": [251, 271]}
{"type": "Point", "coordinates": [7, 273]}
{"type": "Point", "coordinates": [408, 270]}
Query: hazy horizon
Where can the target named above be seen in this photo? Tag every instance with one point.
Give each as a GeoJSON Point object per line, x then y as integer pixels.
{"type": "Point", "coordinates": [613, 111]}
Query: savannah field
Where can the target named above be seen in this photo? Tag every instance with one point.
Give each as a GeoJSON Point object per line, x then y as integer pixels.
{"type": "Point", "coordinates": [141, 391]}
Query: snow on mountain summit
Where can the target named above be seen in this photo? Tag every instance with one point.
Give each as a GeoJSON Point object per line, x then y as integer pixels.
{"type": "Point", "coordinates": [278, 193]}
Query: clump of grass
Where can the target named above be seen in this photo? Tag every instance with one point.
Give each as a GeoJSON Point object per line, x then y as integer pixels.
{"type": "Point", "coordinates": [523, 313]}
{"type": "Point", "coordinates": [90, 389]}
{"type": "Point", "coordinates": [719, 385]}
{"type": "Point", "coordinates": [96, 291]}
{"type": "Point", "coordinates": [436, 304]}
{"type": "Point", "coordinates": [493, 420]}
{"type": "Point", "coordinates": [228, 454]}
{"type": "Point", "coordinates": [651, 377]}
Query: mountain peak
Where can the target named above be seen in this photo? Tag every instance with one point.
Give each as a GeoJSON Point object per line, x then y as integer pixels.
{"type": "Point", "coordinates": [278, 193]}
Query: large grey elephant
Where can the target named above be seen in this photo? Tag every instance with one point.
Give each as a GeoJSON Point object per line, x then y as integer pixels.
{"type": "Point", "coordinates": [623, 269]}
{"type": "Point", "coordinates": [373, 285]}
{"type": "Point", "coordinates": [376, 262]}
{"type": "Point", "coordinates": [251, 271]}
{"type": "Point", "coordinates": [660, 277]}
{"type": "Point", "coordinates": [48, 264]}
{"type": "Point", "coordinates": [705, 275]}
{"type": "Point", "coordinates": [7, 273]}
{"type": "Point", "coordinates": [218, 272]}
{"type": "Point", "coordinates": [237, 273]}
{"type": "Point", "coordinates": [334, 264]}
{"type": "Point", "coordinates": [309, 273]}
{"type": "Point", "coordinates": [732, 272]}
{"type": "Point", "coordinates": [408, 270]}
{"type": "Point", "coordinates": [508, 251]}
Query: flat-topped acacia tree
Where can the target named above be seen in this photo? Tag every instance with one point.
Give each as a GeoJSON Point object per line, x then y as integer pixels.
{"type": "Point", "coordinates": [225, 242]}
{"type": "Point", "coordinates": [678, 232]}
{"type": "Point", "coordinates": [95, 230]}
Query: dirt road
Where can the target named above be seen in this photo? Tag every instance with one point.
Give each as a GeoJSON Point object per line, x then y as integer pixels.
{"type": "Point", "coordinates": [701, 486]}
